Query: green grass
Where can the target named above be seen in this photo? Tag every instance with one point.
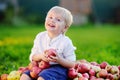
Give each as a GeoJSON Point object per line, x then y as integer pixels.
{"type": "Point", "coordinates": [93, 43]}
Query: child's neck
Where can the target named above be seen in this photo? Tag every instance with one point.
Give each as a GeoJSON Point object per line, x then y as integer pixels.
{"type": "Point", "coordinates": [52, 35]}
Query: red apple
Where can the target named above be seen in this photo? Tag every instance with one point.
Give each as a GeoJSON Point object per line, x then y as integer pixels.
{"type": "Point", "coordinates": [83, 67]}
{"type": "Point", "coordinates": [76, 65]}
{"type": "Point", "coordinates": [82, 78]}
{"type": "Point", "coordinates": [86, 75]}
{"type": "Point", "coordinates": [32, 64]}
{"type": "Point", "coordinates": [33, 75]}
{"type": "Point", "coordinates": [94, 63]}
{"type": "Point", "coordinates": [99, 78]}
{"type": "Point", "coordinates": [110, 76]}
{"type": "Point", "coordinates": [119, 67]}
{"type": "Point", "coordinates": [4, 76]}
{"type": "Point", "coordinates": [35, 71]}
{"type": "Point", "coordinates": [103, 65]}
{"type": "Point", "coordinates": [72, 73]}
{"type": "Point", "coordinates": [92, 78]}
{"type": "Point", "coordinates": [23, 69]}
{"type": "Point", "coordinates": [102, 73]}
{"type": "Point", "coordinates": [92, 72]}
{"type": "Point", "coordinates": [43, 65]}
{"type": "Point", "coordinates": [50, 52]}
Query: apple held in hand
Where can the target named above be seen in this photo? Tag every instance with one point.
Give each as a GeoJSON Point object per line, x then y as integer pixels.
{"type": "Point", "coordinates": [72, 73]}
{"type": "Point", "coordinates": [43, 65]}
{"type": "Point", "coordinates": [50, 52]}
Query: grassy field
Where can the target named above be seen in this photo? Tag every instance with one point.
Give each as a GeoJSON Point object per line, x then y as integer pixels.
{"type": "Point", "coordinates": [93, 42]}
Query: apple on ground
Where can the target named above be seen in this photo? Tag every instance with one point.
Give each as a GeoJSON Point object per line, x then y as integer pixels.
{"type": "Point", "coordinates": [4, 76]}
{"type": "Point", "coordinates": [103, 65]}
{"type": "Point", "coordinates": [92, 72]}
{"type": "Point", "coordinates": [75, 78]}
{"type": "Point", "coordinates": [116, 77]}
{"type": "Point", "coordinates": [14, 75]}
{"type": "Point", "coordinates": [92, 78]}
{"type": "Point", "coordinates": [94, 63]}
{"type": "Point", "coordinates": [72, 73]}
{"type": "Point", "coordinates": [86, 75]}
{"type": "Point", "coordinates": [43, 65]}
{"type": "Point", "coordinates": [119, 67]}
{"type": "Point", "coordinates": [99, 78]}
{"type": "Point", "coordinates": [79, 75]}
{"type": "Point", "coordinates": [102, 73]}
{"type": "Point", "coordinates": [23, 69]}
{"type": "Point", "coordinates": [108, 68]}
{"type": "Point", "coordinates": [110, 76]}
{"type": "Point", "coordinates": [95, 68]}
{"type": "Point", "coordinates": [76, 65]}
{"type": "Point", "coordinates": [114, 70]}
{"type": "Point", "coordinates": [82, 78]}
{"type": "Point", "coordinates": [83, 68]}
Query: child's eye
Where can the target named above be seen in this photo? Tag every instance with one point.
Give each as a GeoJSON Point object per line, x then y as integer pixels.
{"type": "Point", "coordinates": [58, 20]}
{"type": "Point", "coordinates": [50, 17]}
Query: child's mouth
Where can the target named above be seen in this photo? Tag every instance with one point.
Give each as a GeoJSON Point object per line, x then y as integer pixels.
{"type": "Point", "coordinates": [52, 26]}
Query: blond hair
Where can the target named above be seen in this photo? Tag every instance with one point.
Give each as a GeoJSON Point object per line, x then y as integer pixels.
{"type": "Point", "coordinates": [65, 13]}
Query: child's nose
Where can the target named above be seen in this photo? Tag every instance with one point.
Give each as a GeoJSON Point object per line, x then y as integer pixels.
{"type": "Point", "coordinates": [53, 19]}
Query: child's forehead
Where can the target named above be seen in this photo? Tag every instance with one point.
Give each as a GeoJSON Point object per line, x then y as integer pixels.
{"type": "Point", "coordinates": [57, 13]}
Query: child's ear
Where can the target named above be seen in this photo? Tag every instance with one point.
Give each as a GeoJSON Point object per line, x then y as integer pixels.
{"type": "Point", "coordinates": [65, 29]}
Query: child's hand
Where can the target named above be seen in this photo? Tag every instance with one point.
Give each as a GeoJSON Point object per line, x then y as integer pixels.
{"type": "Point", "coordinates": [44, 57]}
{"type": "Point", "coordinates": [51, 55]}
{"type": "Point", "coordinates": [54, 58]}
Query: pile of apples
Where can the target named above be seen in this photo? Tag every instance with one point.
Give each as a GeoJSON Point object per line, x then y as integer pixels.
{"type": "Point", "coordinates": [34, 67]}
{"type": "Point", "coordinates": [84, 70]}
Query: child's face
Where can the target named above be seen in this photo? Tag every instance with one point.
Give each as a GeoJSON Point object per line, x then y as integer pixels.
{"type": "Point", "coordinates": [55, 22]}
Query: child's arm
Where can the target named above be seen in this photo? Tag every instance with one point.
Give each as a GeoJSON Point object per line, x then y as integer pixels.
{"type": "Point", "coordinates": [39, 57]}
{"type": "Point", "coordinates": [62, 61]}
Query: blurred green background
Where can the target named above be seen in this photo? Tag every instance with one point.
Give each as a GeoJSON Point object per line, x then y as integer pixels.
{"type": "Point", "coordinates": [95, 33]}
